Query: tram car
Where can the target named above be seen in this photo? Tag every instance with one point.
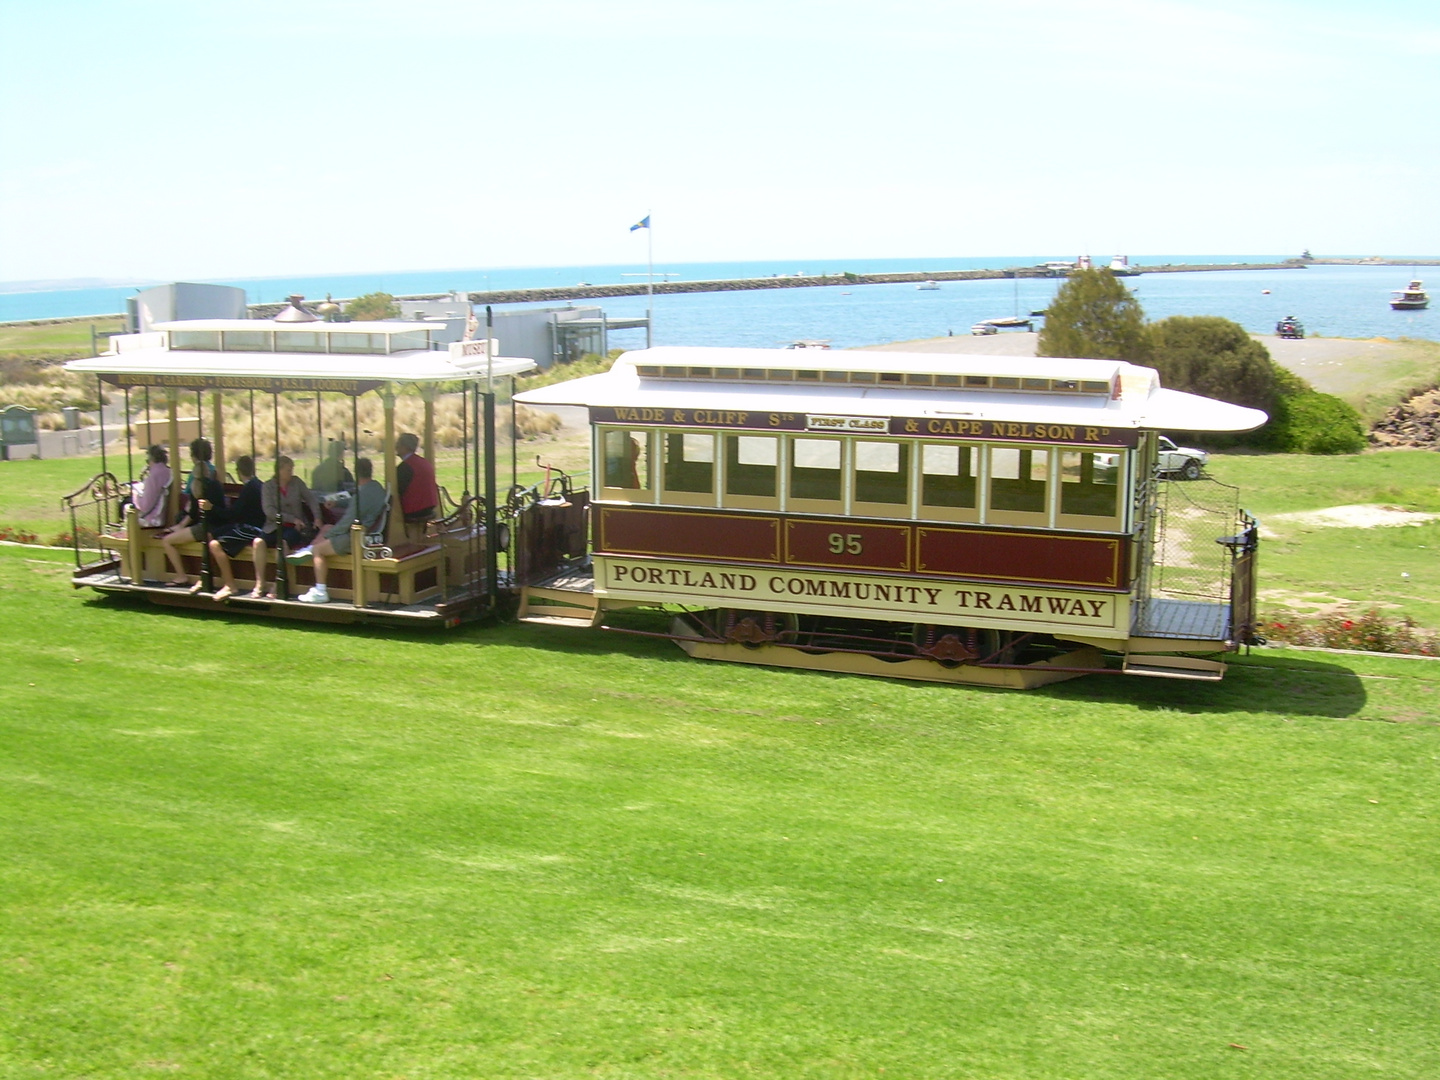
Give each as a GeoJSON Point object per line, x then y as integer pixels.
{"type": "Point", "coordinates": [979, 519]}
{"type": "Point", "coordinates": [389, 576]}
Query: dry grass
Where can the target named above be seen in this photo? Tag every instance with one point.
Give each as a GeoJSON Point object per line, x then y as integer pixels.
{"type": "Point", "coordinates": [306, 427]}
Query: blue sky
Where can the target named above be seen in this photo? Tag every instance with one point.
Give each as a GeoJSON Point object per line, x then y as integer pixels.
{"type": "Point", "coordinates": [164, 140]}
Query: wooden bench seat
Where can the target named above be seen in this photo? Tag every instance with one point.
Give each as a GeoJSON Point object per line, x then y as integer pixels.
{"type": "Point", "coordinates": [411, 574]}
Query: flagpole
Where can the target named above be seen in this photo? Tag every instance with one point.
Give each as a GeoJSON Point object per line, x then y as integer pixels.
{"type": "Point", "coordinates": [649, 281]}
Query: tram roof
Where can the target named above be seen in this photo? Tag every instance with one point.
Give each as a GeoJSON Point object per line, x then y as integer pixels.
{"type": "Point", "coordinates": [1123, 395]}
{"type": "Point", "coordinates": [149, 362]}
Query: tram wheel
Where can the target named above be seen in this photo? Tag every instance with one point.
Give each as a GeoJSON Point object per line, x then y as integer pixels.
{"type": "Point", "coordinates": [751, 629]}
{"type": "Point", "coordinates": [948, 646]}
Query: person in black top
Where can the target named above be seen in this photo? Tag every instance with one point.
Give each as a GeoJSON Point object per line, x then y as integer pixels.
{"type": "Point", "coordinates": [204, 510]}
{"type": "Point", "coordinates": [245, 521]}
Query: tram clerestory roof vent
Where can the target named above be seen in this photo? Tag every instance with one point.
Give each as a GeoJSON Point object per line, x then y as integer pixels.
{"type": "Point", "coordinates": [295, 312]}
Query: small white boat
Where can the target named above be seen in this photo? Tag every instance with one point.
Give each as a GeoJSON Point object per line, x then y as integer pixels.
{"type": "Point", "coordinates": [926, 286]}
{"type": "Point", "coordinates": [809, 343]}
{"type": "Point", "coordinates": [1411, 298]}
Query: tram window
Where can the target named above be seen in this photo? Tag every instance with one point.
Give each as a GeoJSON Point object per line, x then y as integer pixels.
{"type": "Point", "coordinates": [751, 464]}
{"type": "Point", "coordinates": [299, 341]}
{"type": "Point", "coordinates": [410, 339]}
{"type": "Point", "coordinates": [357, 343]}
{"type": "Point", "coordinates": [815, 469]}
{"type": "Point", "coordinates": [1017, 479]}
{"type": "Point", "coordinates": [1089, 483]}
{"type": "Point", "coordinates": [882, 472]}
{"type": "Point", "coordinates": [689, 462]}
{"type": "Point", "coordinates": [627, 465]}
{"type": "Point", "coordinates": [247, 341]}
{"type": "Point", "coordinates": [203, 340]}
{"type": "Point", "coordinates": [947, 476]}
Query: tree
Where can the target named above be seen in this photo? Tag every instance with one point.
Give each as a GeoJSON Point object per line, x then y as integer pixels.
{"type": "Point", "coordinates": [375, 305]}
{"type": "Point", "coordinates": [1215, 358]}
{"type": "Point", "coordinates": [1094, 315]}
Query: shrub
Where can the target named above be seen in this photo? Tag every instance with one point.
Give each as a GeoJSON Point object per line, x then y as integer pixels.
{"type": "Point", "coordinates": [1369, 631]}
{"type": "Point", "coordinates": [1309, 422]}
{"type": "Point", "coordinates": [81, 537]}
{"type": "Point", "coordinates": [1216, 358]}
{"type": "Point", "coordinates": [372, 306]}
{"type": "Point", "coordinates": [17, 536]}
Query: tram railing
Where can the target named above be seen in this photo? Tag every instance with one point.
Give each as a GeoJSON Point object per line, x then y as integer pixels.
{"type": "Point", "coordinates": [95, 509]}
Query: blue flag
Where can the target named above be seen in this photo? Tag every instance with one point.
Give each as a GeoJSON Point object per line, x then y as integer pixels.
{"type": "Point", "coordinates": [643, 223]}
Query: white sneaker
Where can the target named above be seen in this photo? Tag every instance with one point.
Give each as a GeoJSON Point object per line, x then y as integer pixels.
{"type": "Point", "coordinates": [316, 594]}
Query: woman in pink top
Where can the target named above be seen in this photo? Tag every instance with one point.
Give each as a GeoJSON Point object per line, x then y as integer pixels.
{"type": "Point", "coordinates": [153, 487]}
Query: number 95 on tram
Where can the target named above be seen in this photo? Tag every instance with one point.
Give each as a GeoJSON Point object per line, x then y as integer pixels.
{"type": "Point", "coordinates": [994, 520]}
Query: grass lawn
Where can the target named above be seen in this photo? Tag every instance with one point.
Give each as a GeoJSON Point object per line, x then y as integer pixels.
{"type": "Point", "coordinates": [56, 339]}
{"type": "Point", "coordinates": [1308, 568]}
{"type": "Point", "coordinates": [229, 848]}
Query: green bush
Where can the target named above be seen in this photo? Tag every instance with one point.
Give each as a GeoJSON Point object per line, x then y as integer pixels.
{"type": "Point", "coordinates": [1306, 421]}
{"type": "Point", "coordinates": [372, 306]}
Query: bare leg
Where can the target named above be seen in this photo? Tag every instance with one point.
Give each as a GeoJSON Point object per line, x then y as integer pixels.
{"type": "Point", "coordinates": [227, 572]}
{"type": "Point", "coordinates": [320, 549]}
{"type": "Point", "coordinates": [259, 554]}
{"type": "Point", "coordinates": [168, 542]}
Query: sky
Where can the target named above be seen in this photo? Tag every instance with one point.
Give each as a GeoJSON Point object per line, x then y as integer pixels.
{"type": "Point", "coordinates": [169, 140]}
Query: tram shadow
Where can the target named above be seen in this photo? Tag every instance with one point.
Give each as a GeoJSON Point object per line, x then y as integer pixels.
{"type": "Point", "coordinates": [1261, 684]}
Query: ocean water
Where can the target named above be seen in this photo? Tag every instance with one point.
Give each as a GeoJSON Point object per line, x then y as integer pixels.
{"type": "Point", "coordinates": [1332, 301]}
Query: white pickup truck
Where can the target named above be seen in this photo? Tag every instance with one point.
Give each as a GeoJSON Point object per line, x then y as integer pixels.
{"type": "Point", "coordinates": [1181, 461]}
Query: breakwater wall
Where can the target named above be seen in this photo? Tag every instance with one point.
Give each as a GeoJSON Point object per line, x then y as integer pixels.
{"type": "Point", "coordinates": [809, 281]}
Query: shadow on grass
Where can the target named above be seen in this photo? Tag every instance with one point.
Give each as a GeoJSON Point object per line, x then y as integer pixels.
{"type": "Point", "coordinates": [1286, 686]}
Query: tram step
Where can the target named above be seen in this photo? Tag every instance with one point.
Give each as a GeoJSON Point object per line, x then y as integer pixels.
{"type": "Point", "coordinates": [558, 607]}
{"type": "Point", "coordinates": [1174, 667]}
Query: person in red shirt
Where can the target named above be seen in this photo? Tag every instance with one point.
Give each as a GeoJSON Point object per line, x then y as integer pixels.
{"type": "Point", "coordinates": [419, 494]}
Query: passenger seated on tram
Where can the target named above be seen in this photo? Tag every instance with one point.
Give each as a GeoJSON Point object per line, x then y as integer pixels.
{"type": "Point", "coordinates": [204, 510]}
{"type": "Point", "coordinates": [415, 479]}
{"type": "Point", "coordinates": [150, 493]}
{"type": "Point", "coordinates": [245, 522]}
{"type": "Point", "coordinates": [291, 509]}
{"type": "Point", "coordinates": [331, 474]}
{"type": "Point", "coordinates": [369, 501]}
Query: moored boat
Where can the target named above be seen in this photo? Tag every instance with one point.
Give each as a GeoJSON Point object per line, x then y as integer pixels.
{"type": "Point", "coordinates": [1411, 298]}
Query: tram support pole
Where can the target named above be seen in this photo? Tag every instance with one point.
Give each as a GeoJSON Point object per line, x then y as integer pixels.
{"type": "Point", "coordinates": [427, 395]}
{"type": "Point", "coordinates": [395, 528]}
{"type": "Point", "coordinates": [492, 564]}
{"type": "Point", "coordinates": [172, 510]}
{"type": "Point", "coordinates": [217, 434]}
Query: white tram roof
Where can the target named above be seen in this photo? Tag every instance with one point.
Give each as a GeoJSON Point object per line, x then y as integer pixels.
{"type": "Point", "coordinates": [1047, 390]}
{"type": "Point", "coordinates": [134, 356]}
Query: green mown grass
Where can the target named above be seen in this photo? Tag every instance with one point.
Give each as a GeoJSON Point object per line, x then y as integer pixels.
{"type": "Point", "coordinates": [240, 849]}
{"type": "Point", "coordinates": [50, 340]}
{"type": "Point", "coordinates": [1307, 568]}
{"type": "Point", "coordinates": [1285, 483]}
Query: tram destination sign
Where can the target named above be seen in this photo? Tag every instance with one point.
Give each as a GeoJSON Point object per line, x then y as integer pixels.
{"type": "Point", "coordinates": [265, 383]}
{"type": "Point", "coordinates": [924, 427]}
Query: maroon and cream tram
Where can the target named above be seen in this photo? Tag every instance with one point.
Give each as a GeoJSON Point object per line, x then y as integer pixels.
{"type": "Point", "coordinates": [945, 517]}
